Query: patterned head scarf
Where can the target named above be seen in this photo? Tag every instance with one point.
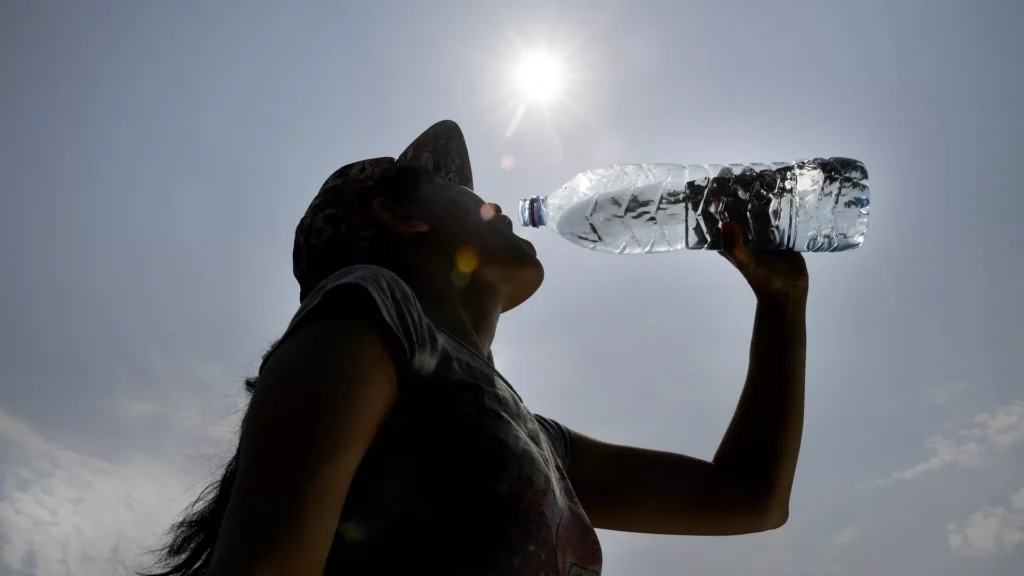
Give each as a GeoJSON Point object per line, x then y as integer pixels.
{"type": "Point", "coordinates": [337, 228]}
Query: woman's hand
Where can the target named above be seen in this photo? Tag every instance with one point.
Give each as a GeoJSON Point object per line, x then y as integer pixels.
{"type": "Point", "coordinates": [773, 275]}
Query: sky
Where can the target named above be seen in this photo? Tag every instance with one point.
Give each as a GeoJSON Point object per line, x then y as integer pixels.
{"type": "Point", "coordinates": [155, 158]}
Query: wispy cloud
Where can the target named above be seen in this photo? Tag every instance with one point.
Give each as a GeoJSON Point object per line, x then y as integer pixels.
{"type": "Point", "coordinates": [989, 531]}
{"type": "Point", "coordinates": [972, 445]}
{"type": "Point", "coordinates": [848, 536]}
{"type": "Point", "coordinates": [944, 394]}
{"type": "Point", "coordinates": [71, 506]}
{"type": "Point", "coordinates": [65, 513]}
{"type": "Point", "coordinates": [837, 552]}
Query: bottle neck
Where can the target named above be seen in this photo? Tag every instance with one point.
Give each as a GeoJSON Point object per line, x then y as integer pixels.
{"type": "Point", "coordinates": [531, 212]}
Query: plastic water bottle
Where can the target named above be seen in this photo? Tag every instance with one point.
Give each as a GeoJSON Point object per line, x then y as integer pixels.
{"type": "Point", "coordinates": [818, 205]}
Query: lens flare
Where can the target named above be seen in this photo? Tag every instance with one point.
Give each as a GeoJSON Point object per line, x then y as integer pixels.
{"type": "Point", "coordinates": [466, 260]}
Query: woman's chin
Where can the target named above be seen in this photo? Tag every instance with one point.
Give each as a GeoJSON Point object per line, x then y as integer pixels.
{"type": "Point", "coordinates": [519, 282]}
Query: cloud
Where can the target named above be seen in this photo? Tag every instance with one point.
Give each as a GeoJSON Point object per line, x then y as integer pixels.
{"type": "Point", "coordinates": [62, 512]}
{"type": "Point", "coordinates": [848, 536]}
{"type": "Point", "coordinates": [91, 497]}
{"type": "Point", "coordinates": [73, 507]}
{"type": "Point", "coordinates": [972, 445]}
{"type": "Point", "coordinates": [989, 531]}
{"type": "Point", "coordinates": [944, 394]}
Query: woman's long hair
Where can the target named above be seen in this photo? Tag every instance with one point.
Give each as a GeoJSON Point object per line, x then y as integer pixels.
{"type": "Point", "coordinates": [188, 550]}
{"type": "Point", "coordinates": [190, 541]}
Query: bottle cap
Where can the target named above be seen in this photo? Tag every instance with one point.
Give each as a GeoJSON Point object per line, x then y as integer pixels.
{"type": "Point", "coordinates": [531, 213]}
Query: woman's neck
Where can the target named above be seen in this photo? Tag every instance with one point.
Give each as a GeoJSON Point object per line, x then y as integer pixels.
{"type": "Point", "coordinates": [469, 313]}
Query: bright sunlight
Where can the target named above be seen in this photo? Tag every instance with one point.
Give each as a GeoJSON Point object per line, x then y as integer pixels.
{"type": "Point", "coordinates": [539, 77]}
{"type": "Point", "coordinates": [543, 77]}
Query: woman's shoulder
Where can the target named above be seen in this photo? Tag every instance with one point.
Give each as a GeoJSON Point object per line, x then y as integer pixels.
{"type": "Point", "coordinates": [380, 294]}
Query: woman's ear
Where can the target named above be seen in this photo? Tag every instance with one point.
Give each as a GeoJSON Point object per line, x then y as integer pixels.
{"type": "Point", "coordinates": [395, 218]}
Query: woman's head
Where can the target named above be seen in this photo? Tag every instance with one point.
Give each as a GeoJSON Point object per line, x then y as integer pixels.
{"type": "Point", "coordinates": [419, 208]}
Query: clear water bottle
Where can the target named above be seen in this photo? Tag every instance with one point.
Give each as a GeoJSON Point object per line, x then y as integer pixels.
{"type": "Point", "coordinates": [818, 205]}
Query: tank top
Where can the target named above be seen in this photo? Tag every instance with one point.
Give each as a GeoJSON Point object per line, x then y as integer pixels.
{"type": "Point", "coordinates": [461, 478]}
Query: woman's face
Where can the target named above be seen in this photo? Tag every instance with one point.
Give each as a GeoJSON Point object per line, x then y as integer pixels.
{"type": "Point", "coordinates": [475, 234]}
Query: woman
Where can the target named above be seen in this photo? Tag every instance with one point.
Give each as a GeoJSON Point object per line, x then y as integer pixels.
{"type": "Point", "coordinates": [380, 439]}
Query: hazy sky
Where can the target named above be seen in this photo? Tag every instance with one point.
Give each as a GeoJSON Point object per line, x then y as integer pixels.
{"type": "Point", "coordinates": [155, 157]}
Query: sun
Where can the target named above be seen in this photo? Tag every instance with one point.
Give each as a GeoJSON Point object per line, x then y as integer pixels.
{"type": "Point", "coordinates": [549, 80]}
{"type": "Point", "coordinates": [539, 77]}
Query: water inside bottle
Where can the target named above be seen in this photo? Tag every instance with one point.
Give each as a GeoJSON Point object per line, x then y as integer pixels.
{"type": "Point", "coordinates": [810, 206]}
